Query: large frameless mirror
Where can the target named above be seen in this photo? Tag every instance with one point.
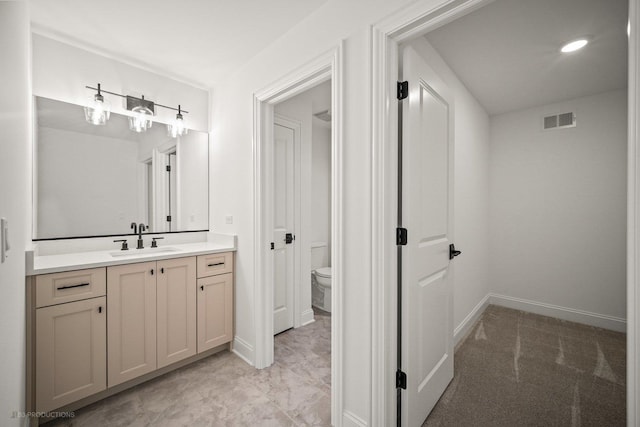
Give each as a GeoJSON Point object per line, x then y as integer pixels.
{"type": "Point", "coordinates": [96, 180]}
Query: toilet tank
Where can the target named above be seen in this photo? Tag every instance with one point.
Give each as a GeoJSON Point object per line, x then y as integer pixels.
{"type": "Point", "coordinates": [320, 255]}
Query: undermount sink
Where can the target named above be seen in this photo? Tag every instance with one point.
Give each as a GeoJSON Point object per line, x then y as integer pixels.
{"type": "Point", "coordinates": [146, 251]}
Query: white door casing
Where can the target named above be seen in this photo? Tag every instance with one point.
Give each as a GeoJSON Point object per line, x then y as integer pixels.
{"type": "Point", "coordinates": [427, 214]}
{"type": "Point", "coordinates": [326, 66]}
{"type": "Point", "coordinates": [283, 223]}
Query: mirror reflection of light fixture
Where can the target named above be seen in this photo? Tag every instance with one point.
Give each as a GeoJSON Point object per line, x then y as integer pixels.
{"type": "Point", "coordinates": [142, 111]}
{"type": "Point", "coordinates": [97, 110]}
{"type": "Point", "coordinates": [177, 127]}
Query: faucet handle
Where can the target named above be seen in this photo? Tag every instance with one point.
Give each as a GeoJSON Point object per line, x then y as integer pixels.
{"type": "Point", "coordinates": [154, 244]}
{"type": "Point", "coordinates": [125, 245]}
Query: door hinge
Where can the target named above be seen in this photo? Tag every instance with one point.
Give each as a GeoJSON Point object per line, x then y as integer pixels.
{"type": "Point", "coordinates": [168, 168]}
{"type": "Point", "coordinates": [403, 90]}
{"type": "Point", "coordinates": [273, 246]}
{"type": "Point", "coordinates": [401, 236]}
{"type": "Point", "coordinates": [401, 380]}
{"type": "Point", "coordinates": [168, 218]}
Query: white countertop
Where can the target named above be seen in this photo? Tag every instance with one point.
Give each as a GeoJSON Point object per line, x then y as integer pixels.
{"type": "Point", "coordinates": [91, 259]}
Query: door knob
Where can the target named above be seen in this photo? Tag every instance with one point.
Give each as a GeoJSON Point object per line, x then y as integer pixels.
{"type": "Point", "coordinates": [452, 251]}
{"type": "Point", "coordinates": [289, 238]}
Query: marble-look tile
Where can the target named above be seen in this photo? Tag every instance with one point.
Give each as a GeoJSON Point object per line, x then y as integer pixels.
{"type": "Point", "coordinates": [222, 390]}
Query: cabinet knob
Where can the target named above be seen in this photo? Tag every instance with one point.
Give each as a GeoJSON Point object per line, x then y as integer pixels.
{"type": "Point", "coordinates": [162, 270]}
{"type": "Point", "coordinates": [202, 288]}
{"type": "Point", "coordinates": [100, 309]}
{"type": "Point", "coordinates": [152, 271]}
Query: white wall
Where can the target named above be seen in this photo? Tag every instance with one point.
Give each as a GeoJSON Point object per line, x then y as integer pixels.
{"type": "Point", "coordinates": [61, 72]}
{"type": "Point", "coordinates": [558, 205]}
{"type": "Point", "coordinates": [232, 174]}
{"type": "Point", "coordinates": [15, 172]}
{"type": "Point", "coordinates": [321, 183]}
{"type": "Point", "coordinates": [100, 169]}
{"type": "Point", "coordinates": [471, 191]}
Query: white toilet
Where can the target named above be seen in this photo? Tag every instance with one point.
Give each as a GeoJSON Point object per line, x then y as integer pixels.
{"type": "Point", "coordinates": [320, 276]}
{"type": "Point", "coordinates": [321, 291]}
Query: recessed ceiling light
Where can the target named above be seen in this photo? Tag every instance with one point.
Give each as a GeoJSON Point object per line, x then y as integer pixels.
{"type": "Point", "coordinates": [574, 45]}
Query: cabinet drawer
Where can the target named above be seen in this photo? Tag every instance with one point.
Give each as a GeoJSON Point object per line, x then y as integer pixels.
{"type": "Point", "coordinates": [210, 265]}
{"type": "Point", "coordinates": [58, 288]}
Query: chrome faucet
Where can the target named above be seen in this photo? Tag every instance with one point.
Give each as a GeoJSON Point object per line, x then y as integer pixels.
{"type": "Point", "coordinates": [141, 228]}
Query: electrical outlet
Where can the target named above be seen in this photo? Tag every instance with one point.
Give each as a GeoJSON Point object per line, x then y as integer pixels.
{"type": "Point", "coordinates": [228, 219]}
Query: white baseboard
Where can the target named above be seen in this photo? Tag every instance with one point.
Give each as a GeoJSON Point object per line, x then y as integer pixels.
{"type": "Point", "coordinates": [307, 317]}
{"type": "Point", "coordinates": [243, 350]}
{"type": "Point", "coordinates": [574, 315]}
{"type": "Point", "coordinates": [349, 419]}
{"type": "Point", "coordinates": [463, 328]}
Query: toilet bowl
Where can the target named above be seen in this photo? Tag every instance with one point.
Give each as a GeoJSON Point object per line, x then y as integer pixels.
{"type": "Point", "coordinates": [321, 291]}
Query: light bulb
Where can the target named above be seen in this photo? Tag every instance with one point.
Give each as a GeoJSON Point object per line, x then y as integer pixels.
{"type": "Point", "coordinates": [141, 120]}
{"type": "Point", "coordinates": [97, 110]}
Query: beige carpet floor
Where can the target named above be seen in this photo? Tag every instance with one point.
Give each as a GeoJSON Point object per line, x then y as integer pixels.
{"type": "Point", "coordinates": [522, 369]}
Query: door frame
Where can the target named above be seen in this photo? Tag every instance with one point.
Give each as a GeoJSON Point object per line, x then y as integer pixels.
{"type": "Point", "coordinates": [326, 66]}
{"type": "Point", "coordinates": [386, 36]}
{"type": "Point", "coordinates": [297, 215]}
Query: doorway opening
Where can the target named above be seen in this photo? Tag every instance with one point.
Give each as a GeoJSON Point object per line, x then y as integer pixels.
{"type": "Point", "coordinates": [302, 207]}
{"type": "Point", "coordinates": [283, 236]}
{"type": "Point", "coordinates": [388, 39]}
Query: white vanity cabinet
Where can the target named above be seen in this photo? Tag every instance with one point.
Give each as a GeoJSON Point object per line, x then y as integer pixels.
{"type": "Point", "coordinates": [71, 339]}
{"type": "Point", "coordinates": [94, 332]}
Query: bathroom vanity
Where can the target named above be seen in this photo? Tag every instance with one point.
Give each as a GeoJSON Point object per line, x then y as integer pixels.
{"type": "Point", "coordinates": [99, 322]}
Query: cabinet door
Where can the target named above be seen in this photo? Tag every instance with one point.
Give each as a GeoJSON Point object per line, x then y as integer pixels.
{"type": "Point", "coordinates": [131, 324]}
{"type": "Point", "coordinates": [215, 311]}
{"type": "Point", "coordinates": [176, 288]}
{"type": "Point", "coordinates": [71, 349]}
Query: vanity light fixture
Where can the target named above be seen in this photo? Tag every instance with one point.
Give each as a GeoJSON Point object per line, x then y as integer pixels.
{"type": "Point", "coordinates": [142, 111]}
{"type": "Point", "coordinates": [97, 110]}
{"type": "Point", "coordinates": [177, 127]}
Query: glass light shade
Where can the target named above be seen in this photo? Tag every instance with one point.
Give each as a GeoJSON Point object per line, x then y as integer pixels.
{"type": "Point", "coordinates": [141, 119]}
{"type": "Point", "coordinates": [97, 110]}
{"type": "Point", "coordinates": [177, 127]}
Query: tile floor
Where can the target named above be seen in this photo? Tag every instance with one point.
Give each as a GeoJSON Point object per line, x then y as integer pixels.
{"type": "Point", "coordinates": [223, 390]}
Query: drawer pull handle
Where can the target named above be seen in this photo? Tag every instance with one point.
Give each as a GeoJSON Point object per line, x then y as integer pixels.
{"type": "Point", "coordinates": [72, 286]}
{"type": "Point", "coordinates": [216, 264]}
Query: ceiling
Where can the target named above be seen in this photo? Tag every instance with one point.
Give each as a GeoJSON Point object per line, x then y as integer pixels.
{"type": "Point", "coordinates": [200, 41]}
{"type": "Point", "coordinates": [508, 53]}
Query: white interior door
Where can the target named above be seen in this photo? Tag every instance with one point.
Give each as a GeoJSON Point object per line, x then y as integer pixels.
{"type": "Point", "coordinates": [427, 213]}
{"type": "Point", "coordinates": [283, 224]}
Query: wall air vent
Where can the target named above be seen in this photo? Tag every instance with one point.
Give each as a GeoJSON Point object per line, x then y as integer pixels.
{"type": "Point", "coordinates": [559, 121]}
